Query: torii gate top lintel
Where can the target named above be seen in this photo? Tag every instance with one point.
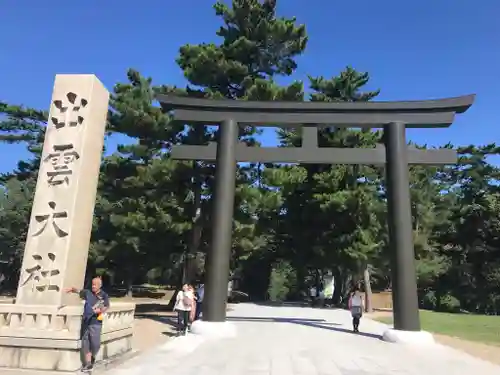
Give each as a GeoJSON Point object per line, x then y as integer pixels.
{"type": "Point", "coordinates": [415, 114]}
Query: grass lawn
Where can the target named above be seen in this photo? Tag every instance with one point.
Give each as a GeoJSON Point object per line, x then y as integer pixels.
{"type": "Point", "coordinates": [480, 328]}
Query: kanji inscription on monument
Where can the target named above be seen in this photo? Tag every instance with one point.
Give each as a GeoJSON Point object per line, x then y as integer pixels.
{"type": "Point", "coordinates": [50, 218]}
{"type": "Point", "coordinates": [41, 274]}
{"type": "Point", "coordinates": [57, 245]}
{"type": "Point", "coordinates": [61, 159]}
{"type": "Point", "coordinates": [68, 111]}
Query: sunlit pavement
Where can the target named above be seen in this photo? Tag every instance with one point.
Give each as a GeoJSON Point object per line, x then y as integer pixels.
{"type": "Point", "coordinates": [302, 341]}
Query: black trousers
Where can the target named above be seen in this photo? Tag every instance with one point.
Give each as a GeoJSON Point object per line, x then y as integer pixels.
{"type": "Point", "coordinates": [182, 320]}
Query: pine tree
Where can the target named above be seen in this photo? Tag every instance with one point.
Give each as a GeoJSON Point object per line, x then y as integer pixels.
{"type": "Point", "coordinates": [256, 46]}
{"type": "Point", "coordinates": [21, 125]}
{"type": "Point", "coordinates": [140, 215]}
{"type": "Point", "coordinates": [343, 229]}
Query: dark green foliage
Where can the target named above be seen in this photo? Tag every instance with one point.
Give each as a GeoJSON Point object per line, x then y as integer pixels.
{"type": "Point", "coordinates": [26, 126]}
{"type": "Point", "coordinates": [256, 45]}
{"type": "Point", "coordinates": [283, 280]}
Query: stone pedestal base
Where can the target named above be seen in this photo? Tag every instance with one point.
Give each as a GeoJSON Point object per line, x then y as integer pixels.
{"type": "Point", "coordinates": [408, 337]}
{"type": "Point", "coordinates": [46, 339]}
{"type": "Point", "coordinates": [33, 354]}
{"type": "Point", "coordinates": [213, 330]}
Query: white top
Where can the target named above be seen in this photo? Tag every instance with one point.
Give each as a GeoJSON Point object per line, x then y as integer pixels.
{"type": "Point", "coordinates": [181, 304]}
{"type": "Point", "coordinates": [356, 300]}
{"type": "Point", "coordinates": [201, 292]}
{"type": "Point", "coordinates": [312, 292]}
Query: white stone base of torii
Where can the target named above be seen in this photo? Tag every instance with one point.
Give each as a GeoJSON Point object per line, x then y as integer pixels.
{"type": "Point", "coordinates": [40, 331]}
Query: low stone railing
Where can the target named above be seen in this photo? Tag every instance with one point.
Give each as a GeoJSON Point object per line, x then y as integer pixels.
{"type": "Point", "coordinates": [117, 330]}
{"type": "Point", "coordinates": [48, 337]}
{"type": "Point", "coordinates": [119, 316]}
{"type": "Point", "coordinates": [50, 322]}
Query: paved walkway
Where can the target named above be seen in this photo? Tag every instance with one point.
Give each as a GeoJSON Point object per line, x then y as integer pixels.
{"type": "Point", "coordinates": [300, 341]}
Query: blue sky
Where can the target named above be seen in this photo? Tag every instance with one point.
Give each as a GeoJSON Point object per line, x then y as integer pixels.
{"type": "Point", "coordinates": [412, 49]}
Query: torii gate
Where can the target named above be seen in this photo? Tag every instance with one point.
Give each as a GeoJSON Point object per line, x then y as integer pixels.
{"type": "Point", "coordinates": [393, 117]}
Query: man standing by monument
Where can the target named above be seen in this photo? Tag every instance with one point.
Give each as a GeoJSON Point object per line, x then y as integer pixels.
{"type": "Point", "coordinates": [96, 304]}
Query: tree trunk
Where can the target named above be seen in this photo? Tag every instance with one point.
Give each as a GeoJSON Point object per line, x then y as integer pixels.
{"type": "Point", "coordinates": [343, 281]}
{"type": "Point", "coordinates": [317, 281]}
{"type": "Point", "coordinates": [368, 290]}
{"type": "Point", "coordinates": [301, 284]}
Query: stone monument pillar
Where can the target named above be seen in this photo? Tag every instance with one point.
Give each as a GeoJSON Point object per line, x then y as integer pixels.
{"type": "Point", "coordinates": [41, 331]}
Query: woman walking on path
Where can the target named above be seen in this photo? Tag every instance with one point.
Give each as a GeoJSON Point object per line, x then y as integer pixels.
{"type": "Point", "coordinates": [356, 307]}
{"type": "Point", "coordinates": [183, 306]}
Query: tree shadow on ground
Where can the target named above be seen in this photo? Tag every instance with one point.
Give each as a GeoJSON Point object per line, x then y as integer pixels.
{"type": "Point", "coordinates": [315, 323]}
{"type": "Point", "coordinates": [168, 320]}
{"type": "Point", "coordinates": [170, 334]}
{"type": "Point", "coordinates": [283, 304]}
{"type": "Point", "coordinates": [300, 304]}
{"type": "Point", "coordinates": [144, 308]}
{"type": "Point", "coordinates": [278, 320]}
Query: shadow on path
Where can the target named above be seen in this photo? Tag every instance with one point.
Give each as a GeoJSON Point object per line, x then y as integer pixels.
{"type": "Point", "coordinates": [276, 320]}
{"type": "Point", "coordinates": [315, 323]}
{"type": "Point", "coordinates": [171, 321]}
{"type": "Point", "coordinates": [170, 334]}
{"type": "Point", "coordinates": [142, 308]}
{"type": "Point", "coordinates": [301, 304]}
{"type": "Point", "coordinates": [284, 304]}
